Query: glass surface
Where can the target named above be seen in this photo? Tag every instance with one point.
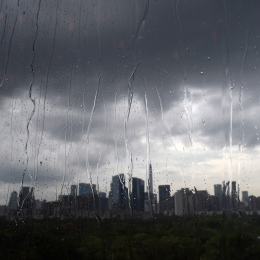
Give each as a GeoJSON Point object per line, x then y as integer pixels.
{"type": "Point", "coordinates": [96, 93]}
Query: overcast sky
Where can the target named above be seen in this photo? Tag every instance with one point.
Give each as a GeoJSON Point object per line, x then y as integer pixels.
{"type": "Point", "coordinates": [90, 89]}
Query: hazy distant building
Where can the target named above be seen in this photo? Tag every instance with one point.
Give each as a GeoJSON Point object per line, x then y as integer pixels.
{"type": "Point", "coordinates": [201, 198]}
{"type": "Point", "coordinates": [103, 202]}
{"type": "Point", "coordinates": [137, 195]}
{"type": "Point", "coordinates": [167, 206]}
{"type": "Point", "coordinates": [150, 203]}
{"type": "Point", "coordinates": [86, 188]}
{"type": "Point", "coordinates": [73, 190]}
{"type": "Point", "coordinates": [102, 194]}
{"type": "Point", "coordinates": [213, 204]}
{"type": "Point", "coordinates": [3, 210]}
{"type": "Point", "coordinates": [110, 198]}
{"type": "Point", "coordinates": [181, 202]}
{"type": "Point", "coordinates": [13, 201]}
{"type": "Point", "coordinates": [155, 203]}
{"type": "Point", "coordinates": [164, 194]}
{"type": "Point", "coordinates": [150, 192]}
{"type": "Point", "coordinates": [150, 179]}
{"type": "Point", "coordinates": [26, 198]}
{"type": "Point", "coordinates": [218, 191]}
{"type": "Point", "coordinates": [225, 199]}
{"type": "Point", "coordinates": [233, 195]}
{"type": "Point", "coordinates": [253, 203]}
{"type": "Point", "coordinates": [245, 197]}
{"type": "Point", "coordinates": [119, 192]}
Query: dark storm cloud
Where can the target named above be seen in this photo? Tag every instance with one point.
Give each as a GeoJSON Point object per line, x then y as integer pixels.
{"type": "Point", "coordinates": [76, 41]}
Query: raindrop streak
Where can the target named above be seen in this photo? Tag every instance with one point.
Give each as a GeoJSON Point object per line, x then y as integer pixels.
{"type": "Point", "coordinates": [142, 21]}
{"type": "Point", "coordinates": [170, 132]}
{"type": "Point", "coordinates": [9, 47]}
{"type": "Point", "coordinates": [104, 135]}
{"type": "Point", "coordinates": [87, 136]}
{"type": "Point", "coordinates": [228, 86]}
{"type": "Point", "coordinates": [128, 153]}
{"type": "Point", "coordinates": [3, 35]}
{"type": "Point", "coordinates": [33, 102]}
{"type": "Point", "coordinates": [73, 67]}
{"type": "Point", "coordinates": [242, 113]}
{"type": "Point", "coordinates": [148, 159]}
{"type": "Point", "coordinates": [65, 138]}
{"type": "Point", "coordinates": [115, 123]}
{"type": "Point", "coordinates": [47, 77]}
{"type": "Point", "coordinates": [186, 100]}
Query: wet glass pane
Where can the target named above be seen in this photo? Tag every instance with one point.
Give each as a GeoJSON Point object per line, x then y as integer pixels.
{"type": "Point", "coordinates": [117, 116]}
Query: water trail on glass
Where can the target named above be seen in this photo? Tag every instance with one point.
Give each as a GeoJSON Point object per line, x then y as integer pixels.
{"type": "Point", "coordinates": [242, 113]}
{"type": "Point", "coordinates": [65, 137]}
{"type": "Point", "coordinates": [11, 157]}
{"type": "Point", "coordinates": [3, 34]}
{"type": "Point", "coordinates": [101, 150]}
{"type": "Point", "coordinates": [187, 102]}
{"type": "Point", "coordinates": [228, 86]}
{"type": "Point", "coordinates": [87, 136]}
{"type": "Point", "coordinates": [128, 152]}
{"type": "Point", "coordinates": [148, 157]}
{"type": "Point", "coordinates": [115, 125]}
{"type": "Point", "coordinates": [180, 160]}
{"type": "Point", "coordinates": [47, 77]}
{"type": "Point", "coordinates": [9, 47]}
{"type": "Point", "coordinates": [142, 21]}
{"type": "Point", "coordinates": [33, 103]}
{"type": "Point", "coordinates": [73, 68]}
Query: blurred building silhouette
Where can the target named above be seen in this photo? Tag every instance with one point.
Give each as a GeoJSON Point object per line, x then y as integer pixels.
{"type": "Point", "coordinates": [26, 199]}
{"type": "Point", "coordinates": [137, 195]}
{"type": "Point", "coordinates": [119, 192]}
{"type": "Point", "coordinates": [245, 197]}
{"type": "Point", "coordinates": [73, 190]}
{"type": "Point", "coordinates": [218, 192]}
{"type": "Point", "coordinates": [201, 200]}
{"type": "Point", "coordinates": [181, 202]}
{"type": "Point", "coordinates": [164, 194]}
{"type": "Point", "coordinates": [86, 188]}
{"type": "Point", "coordinates": [13, 201]}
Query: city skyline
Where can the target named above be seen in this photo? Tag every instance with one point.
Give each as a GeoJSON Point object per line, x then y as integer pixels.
{"type": "Point", "coordinates": [219, 190]}
{"type": "Point", "coordinates": [88, 91]}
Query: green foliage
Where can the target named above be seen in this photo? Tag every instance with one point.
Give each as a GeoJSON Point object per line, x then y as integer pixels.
{"type": "Point", "coordinates": [166, 238]}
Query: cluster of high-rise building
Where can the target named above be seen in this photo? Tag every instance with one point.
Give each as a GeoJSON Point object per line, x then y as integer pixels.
{"type": "Point", "coordinates": [137, 199]}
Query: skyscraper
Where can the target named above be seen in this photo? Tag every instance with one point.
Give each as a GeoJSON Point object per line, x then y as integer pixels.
{"type": "Point", "coordinates": [26, 198]}
{"type": "Point", "coordinates": [164, 193]}
{"type": "Point", "coordinates": [86, 188]}
{"type": "Point", "coordinates": [13, 201]}
{"type": "Point", "coordinates": [119, 192]}
{"type": "Point", "coordinates": [150, 179]}
{"type": "Point", "coordinates": [184, 202]}
{"type": "Point", "coordinates": [218, 192]}
{"type": "Point", "coordinates": [233, 195]}
{"type": "Point", "coordinates": [181, 203]}
{"type": "Point", "coordinates": [245, 197]}
{"type": "Point", "coordinates": [234, 187]}
{"type": "Point", "coordinates": [137, 195]}
{"type": "Point", "coordinates": [73, 190]}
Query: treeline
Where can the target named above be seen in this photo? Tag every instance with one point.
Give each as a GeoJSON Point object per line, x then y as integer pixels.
{"type": "Point", "coordinates": [201, 237]}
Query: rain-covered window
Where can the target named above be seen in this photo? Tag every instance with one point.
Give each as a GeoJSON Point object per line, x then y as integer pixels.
{"type": "Point", "coordinates": [129, 129]}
